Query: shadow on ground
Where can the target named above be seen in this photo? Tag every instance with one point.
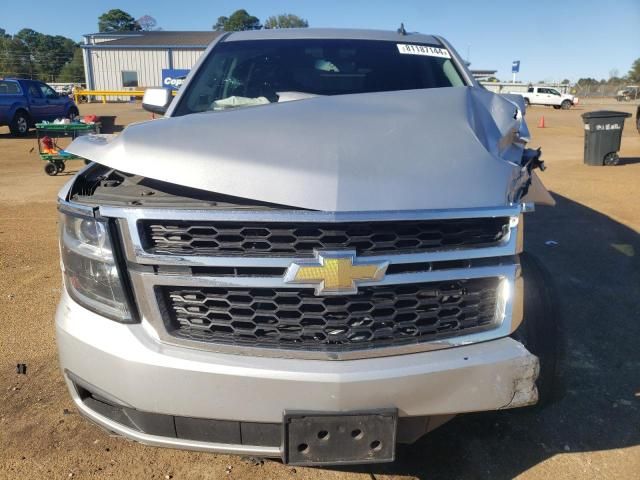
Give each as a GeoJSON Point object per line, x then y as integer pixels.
{"type": "Point", "coordinates": [7, 135]}
{"type": "Point", "coordinates": [629, 160]}
{"type": "Point", "coordinates": [596, 267]}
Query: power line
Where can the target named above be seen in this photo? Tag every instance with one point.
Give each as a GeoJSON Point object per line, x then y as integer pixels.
{"type": "Point", "coordinates": [7, 73]}
{"type": "Point", "coordinates": [19, 55]}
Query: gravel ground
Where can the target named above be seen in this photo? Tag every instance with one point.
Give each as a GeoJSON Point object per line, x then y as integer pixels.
{"type": "Point", "coordinates": [592, 432]}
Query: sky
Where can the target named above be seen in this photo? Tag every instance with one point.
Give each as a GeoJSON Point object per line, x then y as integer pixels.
{"type": "Point", "coordinates": [553, 40]}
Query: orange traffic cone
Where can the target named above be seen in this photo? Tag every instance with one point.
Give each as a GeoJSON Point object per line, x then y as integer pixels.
{"type": "Point", "coordinates": [541, 122]}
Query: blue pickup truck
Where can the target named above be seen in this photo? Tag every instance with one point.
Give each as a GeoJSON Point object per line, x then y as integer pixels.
{"type": "Point", "coordinates": [23, 103]}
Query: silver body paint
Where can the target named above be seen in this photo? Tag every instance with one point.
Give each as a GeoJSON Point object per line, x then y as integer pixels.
{"type": "Point", "coordinates": [428, 154]}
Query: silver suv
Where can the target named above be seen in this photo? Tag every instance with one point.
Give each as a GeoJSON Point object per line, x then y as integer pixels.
{"type": "Point", "coordinates": [315, 255]}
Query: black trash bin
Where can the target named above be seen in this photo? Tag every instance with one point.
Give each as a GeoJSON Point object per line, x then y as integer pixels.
{"type": "Point", "coordinates": [602, 136]}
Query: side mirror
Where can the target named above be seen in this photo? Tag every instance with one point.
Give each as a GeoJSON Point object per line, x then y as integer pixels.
{"type": "Point", "coordinates": [156, 100]}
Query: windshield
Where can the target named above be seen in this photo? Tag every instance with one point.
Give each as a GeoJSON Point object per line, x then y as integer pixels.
{"type": "Point", "coordinates": [245, 73]}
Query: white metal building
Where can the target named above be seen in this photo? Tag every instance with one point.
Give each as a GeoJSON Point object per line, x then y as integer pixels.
{"type": "Point", "coordinates": [134, 60]}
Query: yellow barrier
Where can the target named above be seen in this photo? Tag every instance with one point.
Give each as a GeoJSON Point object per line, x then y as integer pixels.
{"type": "Point", "coordinates": [109, 93]}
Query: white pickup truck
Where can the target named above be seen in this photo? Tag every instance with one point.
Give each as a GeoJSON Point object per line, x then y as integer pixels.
{"type": "Point", "coordinates": [548, 96]}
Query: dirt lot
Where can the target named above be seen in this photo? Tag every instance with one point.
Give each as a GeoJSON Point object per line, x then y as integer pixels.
{"type": "Point", "coordinates": [593, 432]}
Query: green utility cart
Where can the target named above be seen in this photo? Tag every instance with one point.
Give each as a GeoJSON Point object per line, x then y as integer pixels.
{"type": "Point", "coordinates": [48, 134]}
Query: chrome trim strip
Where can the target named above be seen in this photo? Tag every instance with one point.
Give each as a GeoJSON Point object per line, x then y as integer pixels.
{"type": "Point", "coordinates": [136, 253]}
{"type": "Point", "coordinates": [304, 215]}
{"type": "Point", "coordinates": [144, 285]}
{"type": "Point", "coordinates": [506, 271]}
{"type": "Point", "coordinates": [74, 208]}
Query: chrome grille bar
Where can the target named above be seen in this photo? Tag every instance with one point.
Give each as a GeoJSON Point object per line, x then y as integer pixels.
{"type": "Point", "coordinates": [136, 253]}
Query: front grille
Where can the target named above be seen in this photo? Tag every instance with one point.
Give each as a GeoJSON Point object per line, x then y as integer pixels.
{"type": "Point", "coordinates": [301, 239]}
{"type": "Point", "coordinates": [296, 319]}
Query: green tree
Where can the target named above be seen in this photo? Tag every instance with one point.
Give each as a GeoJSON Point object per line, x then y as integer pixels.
{"type": "Point", "coordinates": [117, 20]}
{"type": "Point", "coordinates": [239, 20]}
{"type": "Point", "coordinates": [634, 74]}
{"type": "Point", "coordinates": [35, 55]}
{"type": "Point", "coordinates": [51, 54]}
{"type": "Point", "coordinates": [73, 71]}
{"type": "Point", "coordinates": [566, 81]}
{"type": "Point", "coordinates": [29, 38]}
{"type": "Point", "coordinates": [15, 60]}
{"type": "Point", "coordinates": [286, 20]}
{"type": "Point", "coordinates": [587, 82]}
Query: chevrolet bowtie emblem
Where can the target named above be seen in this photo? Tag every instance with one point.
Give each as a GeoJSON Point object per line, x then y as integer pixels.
{"type": "Point", "coordinates": [335, 273]}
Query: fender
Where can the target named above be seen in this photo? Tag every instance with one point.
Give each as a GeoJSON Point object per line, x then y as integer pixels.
{"type": "Point", "coordinates": [68, 106]}
{"type": "Point", "coordinates": [538, 193]}
{"type": "Point", "coordinates": [13, 108]}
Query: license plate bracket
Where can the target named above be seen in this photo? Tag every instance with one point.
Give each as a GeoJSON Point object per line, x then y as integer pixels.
{"type": "Point", "coordinates": [312, 438]}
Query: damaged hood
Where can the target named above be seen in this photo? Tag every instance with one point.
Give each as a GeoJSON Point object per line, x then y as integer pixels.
{"type": "Point", "coordinates": [416, 149]}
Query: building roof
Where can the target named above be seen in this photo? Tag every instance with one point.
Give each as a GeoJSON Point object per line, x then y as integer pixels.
{"type": "Point", "coordinates": [483, 72]}
{"type": "Point", "coordinates": [157, 38]}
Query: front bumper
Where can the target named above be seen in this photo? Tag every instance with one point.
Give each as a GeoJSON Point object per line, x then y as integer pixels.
{"type": "Point", "coordinates": [131, 367]}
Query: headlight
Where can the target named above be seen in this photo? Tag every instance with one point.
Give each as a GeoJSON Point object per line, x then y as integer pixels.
{"type": "Point", "coordinates": [90, 273]}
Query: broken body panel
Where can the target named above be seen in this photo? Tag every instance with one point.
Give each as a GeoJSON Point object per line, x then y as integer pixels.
{"type": "Point", "coordinates": [430, 149]}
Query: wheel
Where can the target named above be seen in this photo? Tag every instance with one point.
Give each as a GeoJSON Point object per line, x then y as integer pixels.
{"type": "Point", "coordinates": [60, 166]}
{"type": "Point", "coordinates": [50, 169]}
{"type": "Point", "coordinates": [557, 107]}
{"type": "Point", "coordinates": [72, 113]}
{"type": "Point", "coordinates": [20, 124]}
{"type": "Point", "coordinates": [527, 103]}
{"type": "Point", "coordinates": [611, 159]}
{"type": "Point", "coordinates": [566, 105]}
{"type": "Point", "coordinates": [540, 331]}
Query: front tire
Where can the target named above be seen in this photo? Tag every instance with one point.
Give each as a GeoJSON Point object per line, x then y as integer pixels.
{"type": "Point", "coordinates": [19, 126]}
{"type": "Point", "coordinates": [540, 330]}
{"type": "Point", "coordinates": [527, 103]}
{"type": "Point", "coordinates": [566, 105]}
{"type": "Point", "coordinates": [72, 113]}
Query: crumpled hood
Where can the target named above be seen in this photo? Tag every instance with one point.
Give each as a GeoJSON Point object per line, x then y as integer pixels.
{"type": "Point", "coordinates": [416, 149]}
